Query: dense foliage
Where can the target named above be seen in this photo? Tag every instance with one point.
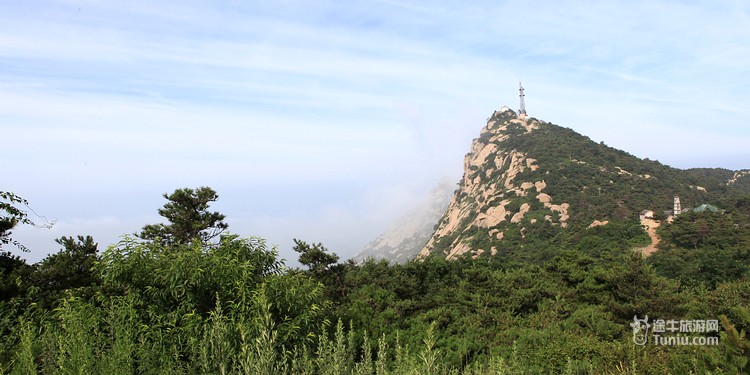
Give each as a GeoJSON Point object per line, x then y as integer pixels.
{"type": "Point", "coordinates": [707, 248]}
{"type": "Point", "coordinates": [601, 182]}
{"type": "Point", "coordinates": [231, 306]}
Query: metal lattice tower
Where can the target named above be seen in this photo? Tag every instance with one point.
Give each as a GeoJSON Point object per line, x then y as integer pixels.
{"type": "Point", "coordinates": [522, 110]}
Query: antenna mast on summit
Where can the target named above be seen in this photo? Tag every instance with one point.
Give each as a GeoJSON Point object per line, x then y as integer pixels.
{"type": "Point", "coordinates": [522, 110]}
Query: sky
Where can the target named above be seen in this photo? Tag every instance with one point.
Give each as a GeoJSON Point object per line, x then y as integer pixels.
{"type": "Point", "coordinates": [326, 120]}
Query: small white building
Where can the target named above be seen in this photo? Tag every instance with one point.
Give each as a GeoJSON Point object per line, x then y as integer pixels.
{"type": "Point", "coordinates": [646, 214]}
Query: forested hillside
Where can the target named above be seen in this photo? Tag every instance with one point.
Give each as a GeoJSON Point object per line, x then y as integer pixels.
{"type": "Point", "coordinates": [529, 184]}
{"type": "Point", "coordinates": [187, 297]}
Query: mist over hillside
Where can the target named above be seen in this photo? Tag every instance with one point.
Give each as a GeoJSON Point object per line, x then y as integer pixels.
{"type": "Point", "coordinates": [408, 235]}
{"type": "Point", "coordinates": [528, 182]}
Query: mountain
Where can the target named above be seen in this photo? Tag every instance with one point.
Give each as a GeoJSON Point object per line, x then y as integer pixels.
{"type": "Point", "coordinates": [408, 235]}
{"type": "Point", "coordinates": [528, 183]}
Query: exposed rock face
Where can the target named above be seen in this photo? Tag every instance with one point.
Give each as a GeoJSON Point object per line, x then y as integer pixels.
{"type": "Point", "coordinates": [495, 193]}
{"type": "Point", "coordinates": [403, 241]}
{"type": "Point", "coordinates": [738, 175]}
{"type": "Point", "coordinates": [528, 184]}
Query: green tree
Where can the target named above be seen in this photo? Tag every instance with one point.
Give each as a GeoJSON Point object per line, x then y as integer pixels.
{"type": "Point", "coordinates": [71, 268]}
{"type": "Point", "coordinates": [323, 267]}
{"type": "Point", "coordinates": [183, 291]}
{"type": "Point", "coordinates": [13, 272]}
{"type": "Point", "coordinates": [737, 347]}
{"type": "Point", "coordinates": [189, 218]}
{"type": "Point", "coordinates": [315, 257]}
{"type": "Point", "coordinates": [10, 216]}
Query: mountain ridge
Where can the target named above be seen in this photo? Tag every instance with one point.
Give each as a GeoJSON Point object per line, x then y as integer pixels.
{"type": "Point", "coordinates": [526, 181]}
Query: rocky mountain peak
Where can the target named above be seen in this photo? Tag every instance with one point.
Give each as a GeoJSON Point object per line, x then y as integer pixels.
{"type": "Point", "coordinates": [528, 183]}
{"type": "Point", "coordinates": [492, 191]}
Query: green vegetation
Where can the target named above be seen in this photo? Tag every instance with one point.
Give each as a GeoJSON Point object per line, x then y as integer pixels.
{"type": "Point", "coordinates": [11, 215]}
{"type": "Point", "coordinates": [189, 218]}
{"type": "Point", "coordinates": [202, 305]}
{"type": "Point", "coordinates": [597, 182]}
{"type": "Point", "coordinates": [705, 249]}
{"type": "Point", "coordinates": [603, 183]}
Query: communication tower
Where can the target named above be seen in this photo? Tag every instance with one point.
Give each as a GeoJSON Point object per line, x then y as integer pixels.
{"type": "Point", "coordinates": [522, 110]}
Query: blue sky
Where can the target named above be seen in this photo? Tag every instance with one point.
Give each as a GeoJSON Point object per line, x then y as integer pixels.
{"type": "Point", "coordinates": [323, 120]}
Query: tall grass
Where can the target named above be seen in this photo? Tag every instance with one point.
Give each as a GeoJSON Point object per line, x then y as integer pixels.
{"type": "Point", "coordinates": [111, 338]}
{"type": "Point", "coordinates": [24, 362]}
